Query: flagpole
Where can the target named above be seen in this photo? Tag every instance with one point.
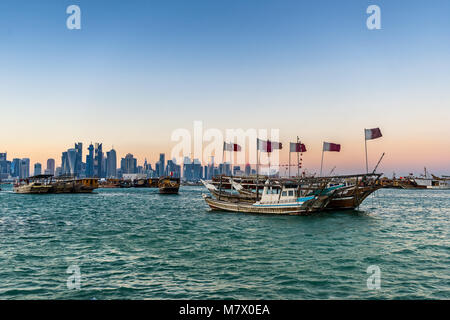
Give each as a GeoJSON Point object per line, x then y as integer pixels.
{"type": "Point", "coordinates": [257, 161]}
{"type": "Point", "coordinates": [223, 157]}
{"type": "Point", "coordinates": [298, 159]}
{"type": "Point", "coordinates": [321, 164]}
{"type": "Point", "coordinates": [365, 144]}
{"type": "Point", "coordinates": [231, 161]}
{"type": "Point", "coordinates": [289, 160]}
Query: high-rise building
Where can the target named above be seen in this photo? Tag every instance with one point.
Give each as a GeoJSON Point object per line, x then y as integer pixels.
{"type": "Point", "coordinates": [65, 167]}
{"type": "Point", "coordinates": [192, 171]}
{"type": "Point", "coordinates": [50, 167]}
{"type": "Point", "coordinates": [90, 162]}
{"type": "Point", "coordinates": [162, 163]}
{"type": "Point", "coordinates": [248, 169]}
{"type": "Point", "coordinates": [78, 158]}
{"type": "Point", "coordinates": [148, 170]}
{"type": "Point", "coordinates": [72, 162]}
{"type": "Point", "coordinates": [173, 169]}
{"type": "Point", "coordinates": [111, 164]}
{"type": "Point", "coordinates": [225, 168]}
{"type": "Point", "coordinates": [24, 168]}
{"type": "Point", "coordinates": [15, 168]}
{"type": "Point", "coordinates": [58, 171]}
{"type": "Point", "coordinates": [157, 169]}
{"type": "Point", "coordinates": [5, 166]}
{"type": "Point", "coordinates": [37, 169]}
{"type": "Point", "coordinates": [128, 164]}
{"type": "Point", "coordinates": [98, 161]}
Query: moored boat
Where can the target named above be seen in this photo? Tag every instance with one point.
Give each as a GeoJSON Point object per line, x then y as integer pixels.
{"type": "Point", "coordinates": [49, 184]}
{"type": "Point", "coordinates": [346, 192]}
{"type": "Point", "coordinates": [169, 185]}
{"type": "Point", "coordinates": [39, 184]}
{"type": "Point", "coordinates": [284, 200]}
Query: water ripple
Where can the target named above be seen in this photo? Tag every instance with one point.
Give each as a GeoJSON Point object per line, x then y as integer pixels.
{"type": "Point", "coordinates": [137, 244]}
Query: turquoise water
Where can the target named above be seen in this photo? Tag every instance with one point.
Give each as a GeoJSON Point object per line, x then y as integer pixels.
{"type": "Point", "coordinates": [136, 244]}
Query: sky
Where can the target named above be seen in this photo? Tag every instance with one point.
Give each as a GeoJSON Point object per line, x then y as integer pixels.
{"type": "Point", "coordinates": [137, 71]}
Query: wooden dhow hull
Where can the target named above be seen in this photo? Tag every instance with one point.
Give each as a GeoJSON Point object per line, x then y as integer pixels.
{"type": "Point", "coordinates": [350, 199]}
{"type": "Point", "coordinates": [305, 208]}
{"type": "Point", "coordinates": [169, 185]}
{"type": "Point", "coordinates": [32, 189]}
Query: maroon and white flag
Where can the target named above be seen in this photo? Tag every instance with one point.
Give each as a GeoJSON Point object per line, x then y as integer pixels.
{"type": "Point", "coordinates": [231, 147]}
{"type": "Point", "coordinates": [372, 133]}
{"type": "Point", "coordinates": [297, 147]}
{"type": "Point", "coordinates": [268, 146]}
{"type": "Point", "coordinates": [327, 146]}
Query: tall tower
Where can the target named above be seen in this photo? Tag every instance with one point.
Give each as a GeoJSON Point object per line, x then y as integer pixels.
{"type": "Point", "coordinates": [90, 161]}
{"type": "Point", "coordinates": [79, 158]}
{"type": "Point", "coordinates": [50, 166]}
{"type": "Point", "coordinates": [98, 161]}
{"type": "Point", "coordinates": [162, 160]}
{"type": "Point", "coordinates": [111, 164]}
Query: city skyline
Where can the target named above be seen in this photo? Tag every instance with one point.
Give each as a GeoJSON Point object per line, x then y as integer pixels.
{"type": "Point", "coordinates": [281, 168]}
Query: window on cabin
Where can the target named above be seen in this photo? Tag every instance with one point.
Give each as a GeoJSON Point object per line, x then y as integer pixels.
{"type": "Point", "coordinates": [291, 193]}
{"type": "Point", "coordinates": [284, 194]}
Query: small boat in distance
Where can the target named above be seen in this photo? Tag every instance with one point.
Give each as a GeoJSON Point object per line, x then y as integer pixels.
{"type": "Point", "coordinates": [433, 182]}
{"type": "Point", "coordinates": [169, 185]}
{"type": "Point", "coordinates": [34, 185]}
{"type": "Point", "coordinates": [46, 183]}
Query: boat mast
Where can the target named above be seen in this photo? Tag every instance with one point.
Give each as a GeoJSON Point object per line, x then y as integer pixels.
{"type": "Point", "coordinates": [365, 143]}
{"type": "Point", "coordinates": [298, 158]}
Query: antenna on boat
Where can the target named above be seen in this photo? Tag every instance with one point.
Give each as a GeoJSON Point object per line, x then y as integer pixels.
{"type": "Point", "coordinates": [332, 170]}
{"type": "Point", "coordinates": [376, 167]}
{"type": "Point", "coordinates": [298, 158]}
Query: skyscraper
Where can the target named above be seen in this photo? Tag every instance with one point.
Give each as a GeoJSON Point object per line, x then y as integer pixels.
{"type": "Point", "coordinates": [98, 161]}
{"type": "Point", "coordinates": [157, 168]}
{"type": "Point", "coordinates": [173, 169]}
{"type": "Point", "coordinates": [50, 167]}
{"type": "Point", "coordinates": [72, 162]}
{"type": "Point", "coordinates": [65, 167]}
{"type": "Point", "coordinates": [162, 160]}
{"type": "Point", "coordinates": [111, 164]}
{"type": "Point", "coordinates": [37, 169]}
{"type": "Point", "coordinates": [5, 166]}
{"type": "Point", "coordinates": [128, 164]}
{"type": "Point", "coordinates": [248, 169]}
{"type": "Point", "coordinates": [15, 168]}
{"type": "Point", "coordinates": [90, 162]}
{"type": "Point", "coordinates": [24, 168]}
{"type": "Point", "coordinates": [79, 158]}
{"type": "Point", "coordinates": [192, 171]}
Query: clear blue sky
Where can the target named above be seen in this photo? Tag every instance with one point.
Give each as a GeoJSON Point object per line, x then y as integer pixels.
{"type": "Point", "coordinates": [248, 64]}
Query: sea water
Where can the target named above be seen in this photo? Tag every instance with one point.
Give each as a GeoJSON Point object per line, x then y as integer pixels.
{"type": "Point", "coordinates": [138, 244]}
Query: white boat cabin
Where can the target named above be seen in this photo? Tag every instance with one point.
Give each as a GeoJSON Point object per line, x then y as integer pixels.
{"type": "Point", "coordinates": [278, 194]}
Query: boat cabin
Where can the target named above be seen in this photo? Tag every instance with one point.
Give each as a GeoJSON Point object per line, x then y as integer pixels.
{"type": "Point", "coordinates": [279, 194]}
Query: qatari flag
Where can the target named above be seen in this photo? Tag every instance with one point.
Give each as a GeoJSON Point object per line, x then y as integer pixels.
{"type": "Point", "coordinates": [327, 146]}
{"type": "Point", "coordinates": [297, 147]}
{"type": "Point", "coordinates": [231, 147]}
{"type": "Point", "coordinates": [372, 133]}
{"type": "Point", "coordinates": [268, 146]}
